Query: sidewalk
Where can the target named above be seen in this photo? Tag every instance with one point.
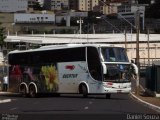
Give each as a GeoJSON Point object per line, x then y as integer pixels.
{"type": "Point", "coordinates": [151, 102]}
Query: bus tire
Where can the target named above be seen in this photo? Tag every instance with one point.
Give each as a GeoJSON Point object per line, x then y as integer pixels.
{"type": "Point", "coordinates": [32, 91]}
{"type": "Point", "coordinates": [23, 91]}
{"type": "Point", "coordinates": [108, 96]}
{"type": "Point", "coordinates": [83, 90]}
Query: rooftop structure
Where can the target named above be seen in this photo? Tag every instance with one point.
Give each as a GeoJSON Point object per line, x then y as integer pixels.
{"type": "Point", "coordinates": [13, 5]}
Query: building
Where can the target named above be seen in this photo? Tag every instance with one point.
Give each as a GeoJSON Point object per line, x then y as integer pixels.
{"type": "Point", "coordinates": [87, 5]}
{"type": "Point", "coordinates": [47, 5]}
{"type": "Point", "coordinates": [21, 23]}
{"type": "Point", "coordinates": [67, 16]}
{"type": "Point", "coordinates": [31, 3]}
{"type": "Point", "coordinates": [110, 6]}
{"type": "Point", "coordinates": [129, 12]}
{"type": "Point", "coordinates": [73, 4]}
{"type": "Point", "coordinates": [56, 4]}
{"type": "Point", "coordinates": [34, 18]}
{"type": "Point", "coordinates": [33, 23]}
{"type": "Point", "coordinates": [59, 4]}
{"type": "Point", "coordinates": [13, 5]}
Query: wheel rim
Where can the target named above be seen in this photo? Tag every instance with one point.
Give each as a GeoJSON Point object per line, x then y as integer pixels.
{"type": "Point", "coordinates": [84, 91]}
{"type": "Point", "coordinates": [23, 92]}
{"type": "Point", "coordinates": [32, 92]}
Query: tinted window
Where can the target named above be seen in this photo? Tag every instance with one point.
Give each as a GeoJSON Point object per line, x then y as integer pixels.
{"type": "Point", "coordinates": [48, 56]}
{"type": "Point", "coordinates": [94, 64]}
{"type": "Point", "coordinates": [114, 54]}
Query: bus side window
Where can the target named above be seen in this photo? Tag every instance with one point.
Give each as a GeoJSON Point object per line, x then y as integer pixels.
{"type": "Point", "coordinates": [94, 64]}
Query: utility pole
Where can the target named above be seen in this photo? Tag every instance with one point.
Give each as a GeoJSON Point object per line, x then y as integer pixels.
{"type": "Point", "coordinates": [80, 25]}
{"type": "Point", "coordinates": [137, 51]}
{"type": "Point", "coordinates": [148, 48]}
{"type": "Point", "coordinates": [125, 33]}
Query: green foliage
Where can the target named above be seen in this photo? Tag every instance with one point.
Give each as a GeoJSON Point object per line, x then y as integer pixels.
{"type": "Point", "coordinates": [37, 6]}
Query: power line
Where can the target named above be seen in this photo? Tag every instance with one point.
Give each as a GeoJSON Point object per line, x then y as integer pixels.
{"type": "Point", "coordinates": [119, 14]}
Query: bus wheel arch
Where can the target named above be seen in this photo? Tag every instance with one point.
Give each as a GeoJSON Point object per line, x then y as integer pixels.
{"type": "Point", "coordinates": [83, 89]}
{"type": "Point", "coordinates": [33, 90]}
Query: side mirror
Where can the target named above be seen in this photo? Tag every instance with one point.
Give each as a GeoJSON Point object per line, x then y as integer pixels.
{"type": "Point", "coordinates": [104, 68]}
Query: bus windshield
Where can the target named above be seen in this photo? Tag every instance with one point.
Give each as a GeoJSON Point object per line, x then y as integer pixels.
{"type": "Point", "coordinates": [114, 54]}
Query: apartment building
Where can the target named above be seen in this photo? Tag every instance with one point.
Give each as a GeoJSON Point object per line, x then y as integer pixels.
{"type": "Point", "coordinates": [47, 4]}
{"type": "Point", "coordinates": [110, 6]}
{"type": "Point", "coordinates": [56, 4]}
{"type": "Point", "coordinates": [59, 4]}
{"type": "Point", "coordinates": [13, 5]}
{"type": "Point", "coordinates": [73, 4]}
{"type": "Point", "coordinates": [88, 5]}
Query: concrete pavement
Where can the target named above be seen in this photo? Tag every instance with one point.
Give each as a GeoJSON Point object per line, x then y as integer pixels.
{"type": "Point", "coordinates": [141, 99]}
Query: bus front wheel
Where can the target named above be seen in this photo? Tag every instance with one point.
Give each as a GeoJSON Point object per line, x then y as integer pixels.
{"type": "Point", "coordinates": [32, 91]}
{"type": "Point", "coordinates": [83, 90]}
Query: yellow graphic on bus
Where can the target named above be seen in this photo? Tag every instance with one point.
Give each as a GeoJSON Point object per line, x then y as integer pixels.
{"type": "Point", "coordinates": [51, 77]}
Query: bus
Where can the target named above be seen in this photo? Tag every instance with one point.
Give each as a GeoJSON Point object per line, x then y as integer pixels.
{"type": "Point", "coordinates": [72, 68]}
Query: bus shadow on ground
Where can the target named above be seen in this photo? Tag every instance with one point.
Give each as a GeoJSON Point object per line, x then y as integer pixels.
{"type": "Point", "coordinates": [118, 97]}
{"type": "Point", "coordinates": [78, 96]}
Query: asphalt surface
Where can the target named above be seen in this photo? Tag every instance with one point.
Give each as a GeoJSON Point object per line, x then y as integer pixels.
{"type": "Point", "coordinates": [119, 107]}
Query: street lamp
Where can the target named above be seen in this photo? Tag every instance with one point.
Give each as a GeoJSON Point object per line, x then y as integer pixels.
{"type": "Point", "coordinates": [80, 21]}
{"type": "Point", "coordinates": [13, 25]}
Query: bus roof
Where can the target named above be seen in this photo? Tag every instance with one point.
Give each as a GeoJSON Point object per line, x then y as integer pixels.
{"type": "Point", "coordinates": [52, 47]}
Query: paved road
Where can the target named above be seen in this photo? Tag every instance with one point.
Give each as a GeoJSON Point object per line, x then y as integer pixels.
{"type": "Point", "coordinates": [119, 106]}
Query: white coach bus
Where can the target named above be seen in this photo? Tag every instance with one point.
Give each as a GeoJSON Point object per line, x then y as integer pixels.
{"type": "Point", "coordinates": [73, 68]}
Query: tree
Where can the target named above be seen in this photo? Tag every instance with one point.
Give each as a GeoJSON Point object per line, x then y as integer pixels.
{"type": "Point", "coordinates": [2, 35]}
{"type": "Point", "coordinates": [37, 6]}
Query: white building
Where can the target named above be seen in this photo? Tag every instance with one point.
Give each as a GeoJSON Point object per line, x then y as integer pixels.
{"type": "Point", "coordinates": [34, 18]}
{"type": "Point", "coordinates": [59, 4]}
{"type": "Point", "coordinates": [13, 5]}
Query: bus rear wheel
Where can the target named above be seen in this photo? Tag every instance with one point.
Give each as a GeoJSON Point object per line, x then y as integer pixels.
{"type": "Point", "coordinates": [108, 96]}
{"type": "Point", "coordinates": [83, 90]}
{"type": "Point", "coordinates": [32, 91]}
{"type": "Point", "coordinates": [23, 91]}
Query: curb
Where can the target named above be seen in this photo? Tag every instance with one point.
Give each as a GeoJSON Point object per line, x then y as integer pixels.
{"type": "Point", "coordinates": [154, 107]}
{"type": "Point", "coordinates": [5, 101]}
{"type": "Point", "coordinates": [4, 93]}
{"type": "Point", "coordinates": [8, 93]}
